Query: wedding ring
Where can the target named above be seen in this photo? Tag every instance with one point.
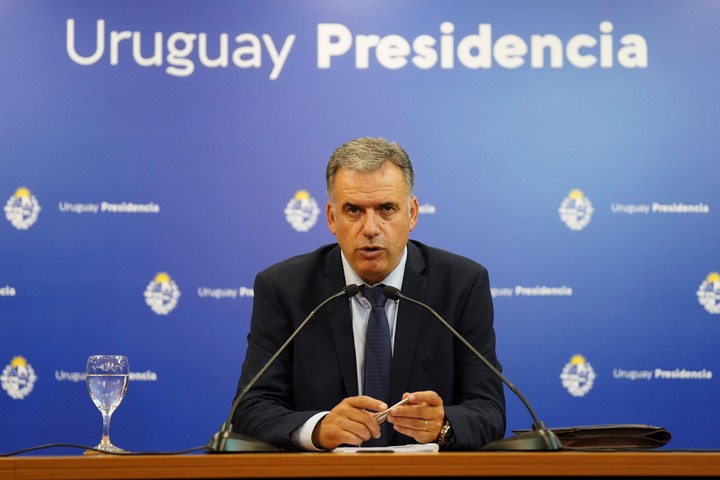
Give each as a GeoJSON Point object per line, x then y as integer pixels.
{"type": "Point", "coordinates": [425, 429]}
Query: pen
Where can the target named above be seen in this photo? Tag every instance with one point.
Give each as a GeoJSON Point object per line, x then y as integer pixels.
{"type": "Point", "coordinates": [380, 416]}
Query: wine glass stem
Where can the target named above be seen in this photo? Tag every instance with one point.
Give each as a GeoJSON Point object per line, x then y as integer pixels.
{"type": "Point", "coordinates": [106, 428]}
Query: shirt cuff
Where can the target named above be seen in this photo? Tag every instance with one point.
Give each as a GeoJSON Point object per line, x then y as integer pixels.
{"type": "Point", "coordinates": [302, 436]}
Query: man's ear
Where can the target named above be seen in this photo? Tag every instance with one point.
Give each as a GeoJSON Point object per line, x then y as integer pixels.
{"type": "Point", "coordinates": [330, 217]}
{"type": "Point", "coordinates": [414, 212]}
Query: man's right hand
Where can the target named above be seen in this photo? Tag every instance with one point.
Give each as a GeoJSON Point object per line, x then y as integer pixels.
{"type": "Point", "coordinates": [350, 422]}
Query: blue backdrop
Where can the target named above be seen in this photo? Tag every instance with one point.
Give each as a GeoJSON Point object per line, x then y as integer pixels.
{"type": "Point", "coordinates": [155, 155]}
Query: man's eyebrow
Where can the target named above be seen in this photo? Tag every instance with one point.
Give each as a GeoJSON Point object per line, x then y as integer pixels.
{"type": "Point", "coordinates": [379, 205]}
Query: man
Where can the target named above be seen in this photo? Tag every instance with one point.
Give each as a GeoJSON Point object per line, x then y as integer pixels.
{"type": "Point", "coordinates": [312, 397]}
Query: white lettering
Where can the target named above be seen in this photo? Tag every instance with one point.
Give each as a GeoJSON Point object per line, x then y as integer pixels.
{"type": "Point", "coordinates": [146, 376]}
{"type": "Point", "coordinates": [480, 44]}
{"type": "Point", "coordinates": [447, 45]}
{"type": "Point", "coordinates": [246, 292]}
{"type": "Point", "coordinates": [393, 51]}
{"type": "Point", "coordinates": [501, 292]}
{"type": "Point", "coordinates": [630, 209]}
{"type": "Point", "coordinates": [680, 208]}
{"type": "Point", "coordinates": [333, 40]}
{"type": "Point", "coordinates": [183, 52]}
{"type": "Point", "coordinates": [682, 374]}
{"type": "Point", "coordinates": [509, 51]}
{"type": "Point", "coordinates": [217, 293]}
{"type": "Point", "coordinates": [248, 56]}
{"type": "Point", "coordinates": [543, 291]}
{"type": "Point", "coordinates": [478, 51]}
{"type": "Point", "coordinates": [115, 39]}
{"type": "Point", "coordinates": [278, 58]}
{"type": "Point", "coordinates": [127, 207]}
{"type": "Point", "coordinates": [78, 207]}
{"type": "Point", "coordinates": [634, 53]}
{"type": "Point", "coordinates": [221, 60]}
{"type": "Point", "coordinates": [619, 374]}
{"type": "Point", "coordinates": [7, 291]}
{"type": "Point", "coordinates": [606, 49]}
{"type": "Point", "coordinates": [426, 56]}
{"type": "Point", "coordinates": [541, 42]}
{"type": "Point", "coordinates": [99, 44]}
{"type": "Point", "coordinates": [180, 48]}
{"type": "Point", "coordinates": [573, 51]}
{"type": "Point", "coordinates": [155, 60]}
{"type": "Point", "coordinates": [63, 376]}
{"type": "Point", "coordinates": [427, 208]}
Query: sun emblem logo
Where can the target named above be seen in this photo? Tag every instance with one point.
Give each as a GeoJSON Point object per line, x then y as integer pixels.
{"type": "Point", "coordinates": [22, 209]}
{"type": "Point", "coordinates": [576, 210]}
{"type": "Point", "coordinates": [18, 378]}
{"type": "Point", "coordinates": [162, 294]}
{"type": "Point", "coordinates": [709, 293]}
{"type": "Point", "coordinates": [302, 211]}
{"type": "Point", "coordinates": [578, 376]}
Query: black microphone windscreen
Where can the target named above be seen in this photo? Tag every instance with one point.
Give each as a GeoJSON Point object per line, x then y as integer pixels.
{"type": "Point", "coordinates": [391, 292]}
{"type": "Point", "coordinates": [351, 290]}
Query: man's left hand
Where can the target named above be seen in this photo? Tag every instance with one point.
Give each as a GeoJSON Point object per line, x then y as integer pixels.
{"type": "Point", "coordinates": [421, 417]}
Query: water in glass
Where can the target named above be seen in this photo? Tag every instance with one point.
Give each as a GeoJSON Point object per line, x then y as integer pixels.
{"type": "Point", "coordinates": [107, 379]}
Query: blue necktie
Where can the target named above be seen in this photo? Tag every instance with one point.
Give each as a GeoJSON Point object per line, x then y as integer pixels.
{"type": "Point", "coordinates": [378, 355]}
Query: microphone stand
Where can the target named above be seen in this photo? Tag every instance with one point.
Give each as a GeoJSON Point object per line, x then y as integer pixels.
{"type": "Point", "coordinates": [227, 441]}
{"type": "Point", "coordinates": [540, 438]}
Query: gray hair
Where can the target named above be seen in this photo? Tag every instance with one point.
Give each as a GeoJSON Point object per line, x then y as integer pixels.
{"type": "Point", "coordinates": [367, 154]}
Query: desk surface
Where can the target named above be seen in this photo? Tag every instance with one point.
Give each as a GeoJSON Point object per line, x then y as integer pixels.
{"type": "Point", "coordinates": [298, 465]}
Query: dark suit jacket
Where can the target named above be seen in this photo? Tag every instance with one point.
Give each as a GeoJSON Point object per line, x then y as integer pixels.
{"type": "Point", "coordinates": [317, 370]}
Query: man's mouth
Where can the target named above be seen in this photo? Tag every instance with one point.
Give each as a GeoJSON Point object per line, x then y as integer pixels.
{"type": "Point", "coordinates": [371, 251]}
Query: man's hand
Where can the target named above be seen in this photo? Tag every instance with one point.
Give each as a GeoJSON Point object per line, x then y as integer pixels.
{"type": "Point", "coordinates": [421, 417]}
{"type": "Point", "coordinates": [350, 422]}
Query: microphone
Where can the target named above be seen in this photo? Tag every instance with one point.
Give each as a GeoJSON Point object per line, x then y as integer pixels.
{"type": "Point", "coordinates": [227, 441]}
{"type": "Point", "coordinates": [540, 438]}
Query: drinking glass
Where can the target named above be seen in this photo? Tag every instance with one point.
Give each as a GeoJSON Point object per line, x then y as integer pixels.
{"type": "Point", "coordinates": [107, 379]}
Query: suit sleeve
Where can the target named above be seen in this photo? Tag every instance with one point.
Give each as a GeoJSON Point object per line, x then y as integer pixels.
{"type": "Point", "coordinates": [477, 410]}
{"type": "Point", "coordinates": [266, 412]}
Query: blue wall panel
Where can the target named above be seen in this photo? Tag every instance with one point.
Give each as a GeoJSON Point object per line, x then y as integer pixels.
{"type": "Point", "coordinates": [598, 318]}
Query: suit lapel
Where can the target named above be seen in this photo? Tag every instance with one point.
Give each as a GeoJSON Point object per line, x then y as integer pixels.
{"type": "Point", "coordinates": [339, 317]}
{"type": "Point", "coordinates": [407, 329]}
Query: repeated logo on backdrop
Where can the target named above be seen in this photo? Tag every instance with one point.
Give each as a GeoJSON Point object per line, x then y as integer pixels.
{"type": "Point", "coordinates": [18, 378]}
{"type": "Point", "coordinates": [162, 294]}
{"type": "Point", "coordinates": [576, 210]}
{"type": "Point", "coordinates": [578, 376]}
{"type": "Point", "coordinates": [22, 209]}
{"type": "Point", "coordinates": [709, 293]}
{"type": "Point", "coordinates": [302, 211]}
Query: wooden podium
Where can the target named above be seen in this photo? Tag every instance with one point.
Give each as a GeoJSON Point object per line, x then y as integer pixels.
{"type": "Point", "coordinates": [339, 465]}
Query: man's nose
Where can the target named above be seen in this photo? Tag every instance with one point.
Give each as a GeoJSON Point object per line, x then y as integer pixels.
{"type": "Point", "coordinates": [371, 225]}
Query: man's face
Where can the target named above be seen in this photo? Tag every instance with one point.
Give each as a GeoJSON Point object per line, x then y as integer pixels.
{"type": "Point", "coordinates": [371, 219]}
